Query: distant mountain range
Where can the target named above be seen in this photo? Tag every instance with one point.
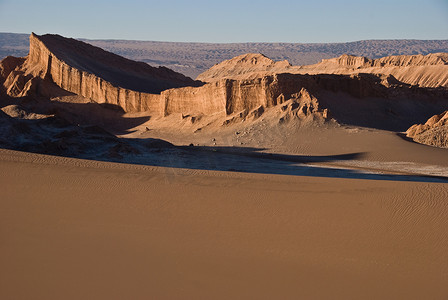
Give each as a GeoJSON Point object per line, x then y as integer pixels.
{"type": "Point", "coordinates": [192, 59]}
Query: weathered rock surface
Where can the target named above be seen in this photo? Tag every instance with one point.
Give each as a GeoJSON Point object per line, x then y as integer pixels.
{"type": "Point", "coordinates": [250, 84]}
{"type": "Point", "coordinates": [228, 96]}
{"type": "Point", "coordinates": [91, 72]}
{"type": "Point", "coordinates": [434, 132]}
{"type": "Point", "coordinates": [422, 70]}
{"type": "Point", "coordinates": [244, 64]}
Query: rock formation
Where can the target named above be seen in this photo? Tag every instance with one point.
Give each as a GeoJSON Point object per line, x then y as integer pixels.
{"type": "Point", "coordinates": [227, 97]}
{"type": "Point", "coordinates": [103, 77]}
{"type": "Point", "coordinates": [420, 70]}
{"type": "Point", "coordinates": [434, 132]}
{"type": "Point", "coordinates": [91, 72]}
{"type": "Point", "coordinates": [425, 71]}
{"type": "Point", "coordinates": [238, 67]}
{"type": "Point", "coordinates": [239, 89]}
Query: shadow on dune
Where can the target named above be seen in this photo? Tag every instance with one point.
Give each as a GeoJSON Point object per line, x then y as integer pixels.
{"type": "Point", "coordinates": [251, 160]}
{"type": "Point", "coordinates": [94, 143]}
{"type": "Point", "coordinates": [76, 130]}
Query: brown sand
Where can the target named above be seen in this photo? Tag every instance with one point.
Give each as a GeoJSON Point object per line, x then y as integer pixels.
{"type": "Point", "coordinates": [76, 229]}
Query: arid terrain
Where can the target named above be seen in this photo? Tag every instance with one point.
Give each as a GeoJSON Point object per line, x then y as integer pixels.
{"type": "Point", "coordinates": [260, 178]}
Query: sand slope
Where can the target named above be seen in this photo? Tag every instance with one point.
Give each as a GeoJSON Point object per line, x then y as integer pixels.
{"type": "Point", "coordinates": [74, 229]}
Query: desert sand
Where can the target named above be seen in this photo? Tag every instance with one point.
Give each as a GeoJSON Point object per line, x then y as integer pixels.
{"type": "Point", "coordinates": [76, 229]}
{"type": "Point", "coordinates": [269, 186]}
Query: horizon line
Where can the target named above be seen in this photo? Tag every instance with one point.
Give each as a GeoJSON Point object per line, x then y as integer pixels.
{"type": "Point", "coordinates": [248, 42]}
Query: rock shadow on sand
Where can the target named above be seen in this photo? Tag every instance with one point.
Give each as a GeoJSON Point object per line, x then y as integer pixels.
{"type": "Point", "coordinates": [252, 160]}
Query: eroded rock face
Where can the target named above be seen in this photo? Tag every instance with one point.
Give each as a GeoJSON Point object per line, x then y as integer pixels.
{"type": "Point", "coordinates": [84, 70]}
{"type": "Point", "coordinates": [358, 62]}
{"type": "Point", "coordinates": [434, 132]}
{"type": "Point", "coordinates": [421, 70]}
{"type": "Point", "coordinates": [228, 97]}
{"type": "Point", "coordinates": [99, 75]}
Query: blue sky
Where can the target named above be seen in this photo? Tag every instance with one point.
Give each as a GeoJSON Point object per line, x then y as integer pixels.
{"type": "Point", "coordinates": [229, 21]}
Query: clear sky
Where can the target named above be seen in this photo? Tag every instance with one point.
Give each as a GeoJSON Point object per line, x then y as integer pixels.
{"type": "Point", "coordinates": [229, 20]}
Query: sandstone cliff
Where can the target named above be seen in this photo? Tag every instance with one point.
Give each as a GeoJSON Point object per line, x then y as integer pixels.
{"type": "Point", "coordinates": [227, 96]}
{"type": "Point", "coordinates": [434, 132]}
{"type": "Point", "coordinates": [91, 72]}
{"type": "Point", "coordinates": [57, 57]}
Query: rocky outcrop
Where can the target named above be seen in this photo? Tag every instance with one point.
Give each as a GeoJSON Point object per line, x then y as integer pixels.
{"type": "Point", "coordinates": [432, 59]}
{"type": "Point", "coordinates": [420, 70]}
{"type": "Point", "coordinates": [8, 64]}
{"type": "Point", "coordinates": [434, 132]}
{"type": "Point", "coordinates": [102, 76]}
{"type": "Point", "coordinates": [358, 62]}
{"type": "Point", "coordinates": [240, 66]}
{"type": "Point", "coordinates": [347, 61]}
{"type": "Point", "coordinates": [91, 72]}
{"type": "Point", "coordinates": [67, 61]}
{"type": "Point", "coordinates": [228, 96]}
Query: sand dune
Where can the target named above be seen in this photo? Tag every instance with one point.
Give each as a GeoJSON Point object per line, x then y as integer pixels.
{"type": "Point", "coordinates": [73, 229]}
